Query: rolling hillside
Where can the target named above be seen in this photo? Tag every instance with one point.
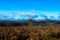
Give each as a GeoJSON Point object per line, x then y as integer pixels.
{"type": "Point", "coordinates": [30, 23]}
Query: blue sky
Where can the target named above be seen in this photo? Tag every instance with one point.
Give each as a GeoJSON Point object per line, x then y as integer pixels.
{"type": "Point", "coordinates": [26, 9]}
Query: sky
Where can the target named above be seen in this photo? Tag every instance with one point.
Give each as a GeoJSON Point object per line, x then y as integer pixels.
{"type": "Point", "coordinates": [29, 9]}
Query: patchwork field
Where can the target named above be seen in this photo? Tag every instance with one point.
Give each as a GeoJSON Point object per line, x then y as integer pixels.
{"type": "Point", "coordinates": [30, 33]}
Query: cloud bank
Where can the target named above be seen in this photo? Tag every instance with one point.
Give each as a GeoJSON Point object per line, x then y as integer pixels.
{"type": "Point", "coordinates": [25, 15]}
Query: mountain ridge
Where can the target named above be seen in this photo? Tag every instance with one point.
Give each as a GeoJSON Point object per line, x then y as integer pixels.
{"type": "Point", "coordinates": [29, 22]}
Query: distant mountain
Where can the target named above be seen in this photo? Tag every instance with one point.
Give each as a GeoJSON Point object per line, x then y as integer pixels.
{"type": "Point", "coordinates": [29, 22]}
{"type": "Point", "coordinates": [8, 20]}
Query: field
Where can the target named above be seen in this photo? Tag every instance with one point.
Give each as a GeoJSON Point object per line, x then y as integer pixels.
{"type": "Point", "coordinates": [30, 33]}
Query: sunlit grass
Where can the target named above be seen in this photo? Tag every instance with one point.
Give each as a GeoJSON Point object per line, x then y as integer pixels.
{"type": "Point", "coordinates": [30, 33]}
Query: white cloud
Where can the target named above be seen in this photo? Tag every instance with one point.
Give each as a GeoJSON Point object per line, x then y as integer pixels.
{"type": "Point", "coordinates": [17, 15]}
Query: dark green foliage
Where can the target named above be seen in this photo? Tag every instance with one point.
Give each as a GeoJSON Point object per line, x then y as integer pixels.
{"type": "Point", "coordinates": [51, 24]}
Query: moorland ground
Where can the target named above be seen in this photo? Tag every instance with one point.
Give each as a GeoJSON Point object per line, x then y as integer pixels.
{"type": "Point", "coordinates": [30, 33]}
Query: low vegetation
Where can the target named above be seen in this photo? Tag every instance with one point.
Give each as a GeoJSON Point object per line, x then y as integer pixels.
{"type": "Point", "coordinates": [30, 33]}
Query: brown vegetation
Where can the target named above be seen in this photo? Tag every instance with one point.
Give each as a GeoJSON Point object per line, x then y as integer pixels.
{"type": "Point", "coordinates": [30, 33]}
